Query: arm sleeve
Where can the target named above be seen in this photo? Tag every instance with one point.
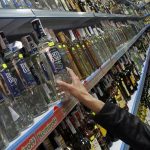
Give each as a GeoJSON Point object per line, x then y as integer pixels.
{"type": "Point", "coordinates": [124, 126]}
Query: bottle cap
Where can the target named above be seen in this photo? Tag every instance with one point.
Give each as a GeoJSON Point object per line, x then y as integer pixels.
{"type": "Point", "coordinates": [50, 44]}
{"type": "Point", "coordinates": [4, 66]}
{"type": "Point", "coordinates": [20, 56]}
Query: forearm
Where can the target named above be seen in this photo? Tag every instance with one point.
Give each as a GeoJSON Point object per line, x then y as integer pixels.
{"type": "Point", "coordinates": [92, 103]}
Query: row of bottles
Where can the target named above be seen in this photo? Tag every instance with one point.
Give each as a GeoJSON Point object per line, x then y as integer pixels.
{"type": "Point", "coordinates": [77, 131]}
{"type": "Point", "coordinates": [107, 6]}
{"type": "Point", "coordinates": [122, 80]}
{"type": "Point", "coordinates": [29, 68]}
{"type": "Point", "coordinates": [144, 106]}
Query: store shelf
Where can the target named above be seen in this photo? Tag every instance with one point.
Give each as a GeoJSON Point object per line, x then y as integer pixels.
{"type": "Point", "coordinates": [134, 102]}
{"type": "Point", "coordinates": [116, 16]}
{"type": "Point", "coordinates": [42, 127]}
{"type": "Point", "coordinates": [17, 21]}
{"type": "Point", "coordinates": [94, 78]}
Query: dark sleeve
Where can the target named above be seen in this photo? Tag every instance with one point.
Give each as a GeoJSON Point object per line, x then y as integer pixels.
{"type": "Point", "coordinates": [124, 126]}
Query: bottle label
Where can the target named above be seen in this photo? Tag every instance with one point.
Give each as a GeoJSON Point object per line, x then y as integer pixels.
{"type": "Point", "coordinates": [60, 141]}
{"type": "Point", "coordinates": [55, 59]}
{"type": "Point", "coordinates": [25, 72]}
{"type": "Point", "coordinates": [44, 69]}
{"type": "Point", "coordinates": [11, 82]}
{"type": "Point", "coordinates": [133, 79]}
{"type": "Point", "coordinates": [17, 3]}
{"type": "Point", "coordinates": [100, 91]}
{"type": "Point", "coordinates": [95, 145]}
{"type": "Point", "coordinates": [73, 130]}
{"type": "Point", "coordinates": [123, 84]}
{"type": "Point", "coordinates": [80, 113]}
{"type": "Point", "coordinates": [38, 28]}
{"type": "Point", "coordinates": [5, 4]}
{"type": "Point", "coordinates": [77, 123]}
{"type": "Point", "coordinates": [28, 3]}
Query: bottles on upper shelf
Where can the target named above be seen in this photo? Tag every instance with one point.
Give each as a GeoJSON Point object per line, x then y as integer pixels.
{"type": "Point", "coordinates": [107, 6]}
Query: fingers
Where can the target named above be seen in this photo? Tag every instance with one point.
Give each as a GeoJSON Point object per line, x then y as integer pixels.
{"type": "Point", "coordinates": [72, 74]}
{"type": "Point", "coordinates": [64, 86]}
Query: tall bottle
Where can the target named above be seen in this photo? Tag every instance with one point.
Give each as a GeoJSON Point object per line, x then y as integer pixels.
{"type": "Point", "coordinates": [80, 53]}
{"type": "Point", "coordinates": [40, 69]}
{"type": "Point", "coordinates": [38, 104]}
{"type": "Point", "coordinates": [76, 56]}
{"type": "Point", "coordinates": [52, 54]}
{"type": "Point", "coordinates": [71, 62]}
{"type": "Point", "coordinates": [89, 45]}
{"type": "Point", "coordinates": [80, 142]}
{"type": "Point", "coordinates": [18, 102]}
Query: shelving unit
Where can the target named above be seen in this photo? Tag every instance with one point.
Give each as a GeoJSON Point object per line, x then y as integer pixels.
{"type": "Point", "coordinates": [134, 102]}
{"type": "Point", "coordinates": [92, 80]}
{"type": "Point", "coordinates": [17, 21]}
{"type": "Point", "coordinates": [46, 123]}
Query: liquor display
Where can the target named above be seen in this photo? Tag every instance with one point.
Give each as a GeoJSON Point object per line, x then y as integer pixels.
{"type": "Point", "coordinates": [144, 105]}
{"type": "Point", "coordinates": [77, 131]}
{"type": "Point", "coordinates": [31, 66]}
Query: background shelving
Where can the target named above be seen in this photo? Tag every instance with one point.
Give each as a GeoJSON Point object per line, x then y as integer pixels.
{"type": "Point", "coordinates": [134, 102]}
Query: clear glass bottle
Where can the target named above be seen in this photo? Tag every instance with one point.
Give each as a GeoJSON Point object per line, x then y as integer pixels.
{"type": "Point", "coordinates": [19, 3]}
{"type": "Point", "coordinates": [7, 121]}
{"type": "Point", "coordinates": [24, 119]}
{"type": "Point", "coordinates": [40, 69]}
{"type": "Point", "coordinates": [48, 47]}
{"type": "Point", "coordinates": [37, 103]}
{"type": "Point", "coordinates": [7, 4]}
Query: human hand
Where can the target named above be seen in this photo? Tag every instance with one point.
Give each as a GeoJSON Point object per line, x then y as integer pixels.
{"type": "Point", "coordinates": [76, 88]}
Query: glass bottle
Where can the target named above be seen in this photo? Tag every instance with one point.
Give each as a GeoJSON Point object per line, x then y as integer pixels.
{"type": "Point", "coordinates": [19, 4]}
{"type": "Point", "coordinates": [7, 4]}
{"type": "Point", "coordinates": [80, 142]}
{"type": "Point", "coordinates": [40, 69]}
{"type": "Point", "coordinates": [90, 47]}
{"type": "Point", "coordinates": [81, 54]}
{"type": "Point", "coordinates": [38, 104]}
{"type": "Point", "coordinates": [7, 121]}
{"type": "Point", "coordinates": [65, 49]}
{"type": "Point", "coordinates": [52, 54]}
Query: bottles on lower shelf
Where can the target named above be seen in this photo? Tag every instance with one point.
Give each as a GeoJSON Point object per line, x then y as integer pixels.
{"type": "Point", "coordinates": [144, 106]}
{"type": "Point", "coordinates": [77, 131]}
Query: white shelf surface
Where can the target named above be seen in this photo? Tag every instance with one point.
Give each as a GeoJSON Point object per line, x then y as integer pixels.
{"type": "Point", "coordinates": [134, 102]}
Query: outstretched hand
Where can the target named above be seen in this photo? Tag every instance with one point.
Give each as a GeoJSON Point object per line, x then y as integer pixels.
{"type": "Point", "coordinates": [77, 89]}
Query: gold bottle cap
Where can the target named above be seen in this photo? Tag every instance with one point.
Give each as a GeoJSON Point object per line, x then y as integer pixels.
{"type": "Point", "coordinates": [50, 44]}
{"type": "Point", "coordinates": [4, 66]}
{"type": "Point", "coordinates": [20, 56]}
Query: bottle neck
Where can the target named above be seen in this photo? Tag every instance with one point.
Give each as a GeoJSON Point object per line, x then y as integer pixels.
{"type": "Point", "coordinates": [38, 28]}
